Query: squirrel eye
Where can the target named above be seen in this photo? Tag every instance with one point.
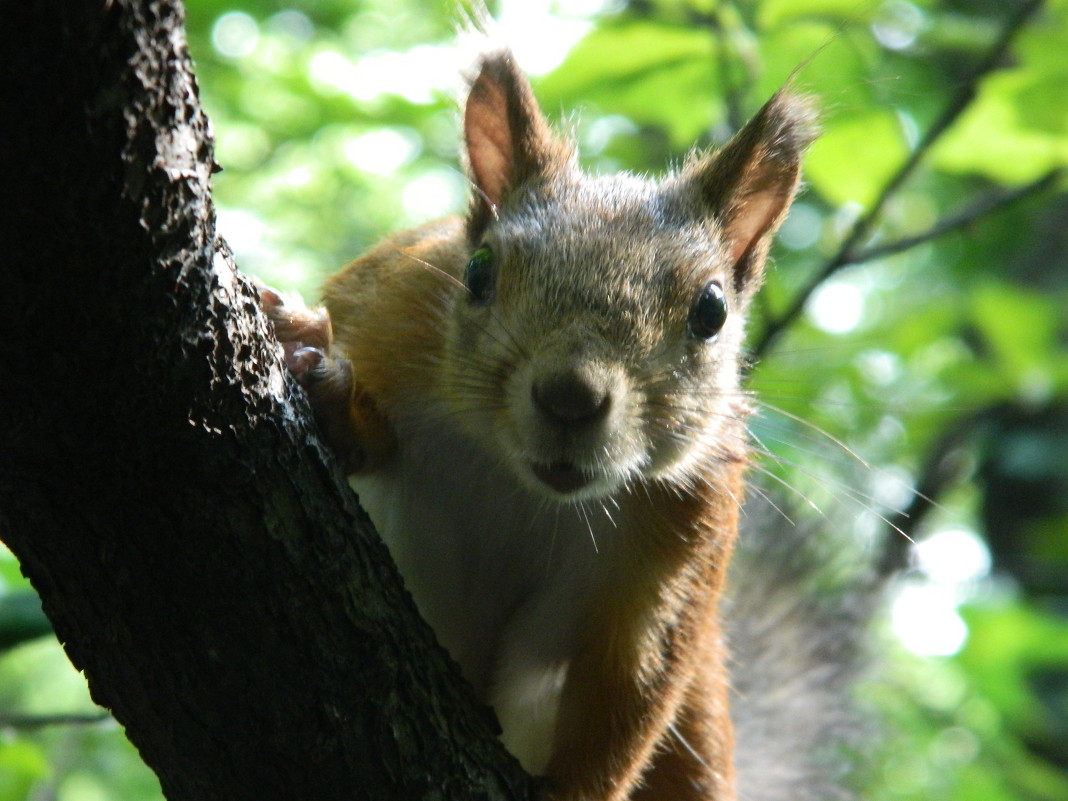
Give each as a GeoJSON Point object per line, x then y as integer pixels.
{"type": "Point", "coordinates": [479, 275]}
{"type": "Point", "coordinates": [709, 313]}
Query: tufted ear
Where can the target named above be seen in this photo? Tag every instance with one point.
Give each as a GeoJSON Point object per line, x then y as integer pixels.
{"type": "Point", "coordinates": [507, 137]}
{"type": "Point", "coordinates": [747, 186]}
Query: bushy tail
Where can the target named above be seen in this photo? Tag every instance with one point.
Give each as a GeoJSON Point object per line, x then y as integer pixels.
{"type": "Point", "coordinates": [797, 618]}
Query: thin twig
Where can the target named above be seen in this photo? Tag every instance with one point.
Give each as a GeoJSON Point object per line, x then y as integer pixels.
{"type": "Point", "coordinates": [733, 92]}
{"type": "Point", "coordinates": [980, 208]}
{"type": "Point", "coordinates": [26, 722]}
{"type": "Point", "coordinates": [865, 226]}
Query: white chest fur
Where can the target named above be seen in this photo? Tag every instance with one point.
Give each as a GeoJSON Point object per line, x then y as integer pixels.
{"type": "Point", "coordinates": [499, 573]}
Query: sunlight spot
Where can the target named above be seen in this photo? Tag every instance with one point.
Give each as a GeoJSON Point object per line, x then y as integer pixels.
{"type": "Point", "coordinates": [892, 488]}
{"type": "Point", "coordinates": [879, 367]}
{"type": "Point", "coordinates": [235, 34]}
{"type": "Point", "coordinates": [601, 131]}
{"type": "Point", "coordinates": [540, 39]}
{"type": "Point", "coordinates": [924, 613]}
{"type": "Point", "coordinates": [422, 73]}
{"type": "Point", "coordinates": [844, 218]}
{"type": "Point", "coordinates": [587, 8]}
{"type": "Point", "coordinates": [297, 177]}
{"type": "Point", "coordinates": [294, 268]}
{"type": "Point", "coordinates": [801, 229]}
{"type": "Point", "coordinates": [924, 617]}
{"type": "Point", "coordinates": [242, 230]}
{"type": "Point", "coordinates": [243, 146]}
{"type": "Point", "coordinates": [292, 24]}
{"type": "Point", "coordinates": [330, 68]}
{"type": "Point", "coordinates": [85, 787]}
{"type": "Point", "coordinates": [910, 129]}
{"type": "Point", "coordinates": [953, 556]}
{"type": "Point", "coordinates": [433, 194]}
{"type": "Point", "coordinates": [383, 151]}
{"type": "Point", "coordinates": [897, 25]}
{"type": "Point", "coordinates": [417, 75]}
{"type": "Point", "coordinates": [836, 307]}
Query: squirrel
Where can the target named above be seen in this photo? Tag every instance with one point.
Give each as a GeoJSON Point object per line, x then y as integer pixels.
{"type": "Point", "coordinates": [540, 407]}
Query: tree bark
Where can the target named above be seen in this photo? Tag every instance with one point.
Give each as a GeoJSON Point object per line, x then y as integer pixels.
{"type": "Point", "coordinates": [201, 558]}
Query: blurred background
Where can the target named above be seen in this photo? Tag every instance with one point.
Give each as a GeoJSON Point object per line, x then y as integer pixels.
{"type": "Point", "coordinates": [910, 349]}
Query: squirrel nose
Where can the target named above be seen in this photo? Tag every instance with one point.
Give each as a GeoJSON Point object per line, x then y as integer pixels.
{"type": "Point", "coordinates": [571, 398]}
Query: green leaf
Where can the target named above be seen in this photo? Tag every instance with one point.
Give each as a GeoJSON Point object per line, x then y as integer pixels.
{"type": "Point", "coordinates": [653, 73]}
{"type": "Point", "coordinates": [623, 52]}
{"type": "Point", "coordinates": [1014, 132]}
{"type": "Point", "coordinates": [775, 12]}
{"type": "Point", "coordinates": [858, 152]}
{"type": "Point", "coordinates": [1007, 646]}
{"type": "Point", "coordinates": [1021, 329]}
{"type": "Point", "coordinates": [11, 577]}
{"type": "Point", "coordinates": [821, 60]}
{"type": "Point", "coordinates": [21, 764]}
{"type": "Point", "coordinates": [1017, 128]}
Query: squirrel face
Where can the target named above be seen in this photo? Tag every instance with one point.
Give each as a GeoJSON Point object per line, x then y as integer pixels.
{"type": "Point", "coordinates": [597, 341]}
{"type": "Point", "coordinates": [598, 338]}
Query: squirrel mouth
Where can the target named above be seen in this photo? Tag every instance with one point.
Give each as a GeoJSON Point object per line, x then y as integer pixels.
{"type": "Point", "coordinates": [563, 477]}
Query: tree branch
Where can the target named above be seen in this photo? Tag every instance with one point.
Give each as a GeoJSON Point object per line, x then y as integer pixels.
{"type": "Point", "coordinates": [980, 208]}
{"type": "Point", "coordinates": [865, 226]}
{"type": "Point", "coordinates": [723, 22]}
{"type": "Point", "coordinates": [30, 722]}
{"type": "Point", "coordinates": [201, 560]}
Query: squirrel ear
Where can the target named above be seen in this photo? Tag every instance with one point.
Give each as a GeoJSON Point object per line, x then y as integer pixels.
{"type": "Point", "coordinates": [748, 185]}
{"type": "Point", "coordinates": [508, 138]}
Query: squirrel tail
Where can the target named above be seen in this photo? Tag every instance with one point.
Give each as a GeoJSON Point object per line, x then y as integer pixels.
{"type": "Point", "coordinates": [797, 619]}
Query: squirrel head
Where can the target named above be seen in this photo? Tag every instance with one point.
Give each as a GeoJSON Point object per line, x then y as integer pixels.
{"type": "Point", "coordinates": [598, 341]}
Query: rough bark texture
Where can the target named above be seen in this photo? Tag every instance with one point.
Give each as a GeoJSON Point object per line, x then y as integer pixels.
{"type": "Point", "coordinates": [200, 559]}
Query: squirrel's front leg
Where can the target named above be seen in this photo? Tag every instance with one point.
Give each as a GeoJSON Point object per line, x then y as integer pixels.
{"type": "Point", "coordinates": [353, 426]}
{"type": "Point", "coordinates": [636, 726]}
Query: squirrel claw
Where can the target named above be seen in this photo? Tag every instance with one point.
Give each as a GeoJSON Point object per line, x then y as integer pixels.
{"type": "Point", "coordinates": [296, 326]}
{"type": "Point", "coordinates": [302, 361]}
{"type": "Point", "coordinates": [268, 296]}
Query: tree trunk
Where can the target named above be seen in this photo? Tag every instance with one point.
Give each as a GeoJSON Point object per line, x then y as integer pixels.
{"type": "Point", "coordinates": [201, 558]}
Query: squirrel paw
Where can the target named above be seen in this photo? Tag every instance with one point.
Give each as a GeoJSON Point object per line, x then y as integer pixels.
{"type": "Point", "coordinates": [303, 363]}
{"type": "Point", "coordinates": [300, 330]}
{"type": "Point", "coordinates": [305, 336]}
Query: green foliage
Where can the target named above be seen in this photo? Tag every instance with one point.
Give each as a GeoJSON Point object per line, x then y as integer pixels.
{"type": "Point", "coordinates": [653, 72]}
{"type": "Point", "coordinates": [970, 726]}
{"type": "Point", "coordinates": [1017, 129]}
{"type": "Point", "coordinates": [83, 759]}
{"type": "Point", "coordinates": [336, 122]}
{"type": "Point", "coordinates": [21, 764]}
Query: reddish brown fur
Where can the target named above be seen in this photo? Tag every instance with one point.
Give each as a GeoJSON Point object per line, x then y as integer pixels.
{"type": "Point", "coordinates": [675, 572]}
{"type": "Point", "coordinates": [643, 712]}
